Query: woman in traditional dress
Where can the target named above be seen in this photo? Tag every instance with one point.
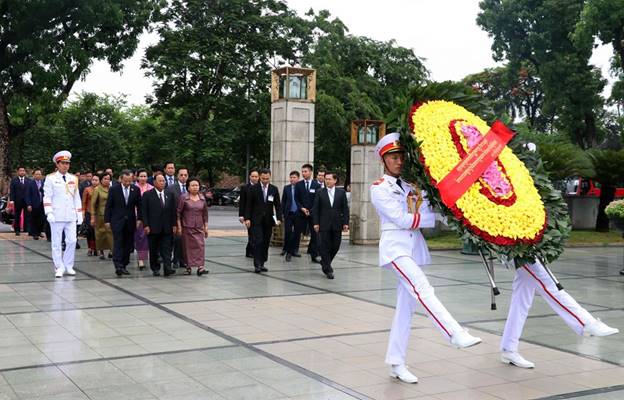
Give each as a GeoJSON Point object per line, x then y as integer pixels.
{"type": "Point", "coordinates": [141, 243]}
{"type": "Point", "coordinates": [103, 235]}
{"type": "Point", "coordinates": [193, 226]}
{"type": "Point", "coordinates": [86, 210]}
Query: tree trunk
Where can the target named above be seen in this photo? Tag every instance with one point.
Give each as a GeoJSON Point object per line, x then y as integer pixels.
{"type": "Point", "coordinates": [4, 147]}
{"type": "Point", "coordinates": [607, 194]}
{"type": "Point", "coordinates": [590, 130]}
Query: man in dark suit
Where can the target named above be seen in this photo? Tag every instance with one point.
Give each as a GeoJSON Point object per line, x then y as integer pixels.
{"type": "Point", "coordinates": [159, 220]}
{"type": "Point", "coordinates": [305, 191]}
{"type": "Point", "coordinates": [262, 212]}
{"type": "Point", "coordinates": [156, 170]}
{"type": "Point", "coordinates": [254, 177]}
{"type": "Point", "coordinates": [86, 182]}
{"type": "Point", "coordinates": [177, 189]}
{"type": "Point", "coordinates": [331, 217]}
{"type": "Point", "coordinates": [290, 210]}
{"type": "Point", "coordinates": [123, 209]}
{"type": "Point", "coordinates": [34, 204]}
{"type": "Point", "coordinates": [169, 173]}
{"type": "Point", "coordinates": [18, 188]}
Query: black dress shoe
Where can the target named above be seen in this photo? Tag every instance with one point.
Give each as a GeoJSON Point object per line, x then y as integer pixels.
{"type": "Point", "coordinates": [316, 260]}
{"type": "Point", "coordinates": [77, 246]}
{"type": "Point", "coordinates": [329, 275]}
{"type": "Point", "coordinates": [249, 255]}
{"type": "Point", "coordinates": [288, 257]}
{"type": "Point", "coordinates": [169, 272]}
{"type": "Point", "coordinates": [17, 233]}
{"type": "Point", "coordinates": [622, 272]}
{"type": "Point", "coordinates": [125, 271]}
{"type": "Point", "coordinates": [35, 237]}
{"type": "Point", "coordinates": [297, 255]}
{"type": "Point", "coordinates": [118, 272]}
{"type": "Point", "coordinates": [283, 252]}
{"type": "Point", "coordinates": [263, 268]}
{"type": "Point", "coordinates": [110, 255]}
{"type": "Point", "coordinates": [156, 273]}
{"type": "Point", "coordinates": [257, 270]}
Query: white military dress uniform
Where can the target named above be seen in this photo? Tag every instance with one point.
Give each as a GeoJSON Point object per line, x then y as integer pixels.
{"type": "Point", "coordinates": [402, 249]}
{"type": "Point", "coordinates": [529, 279]}
{"type": "Point", "coordinates": [63, 209]}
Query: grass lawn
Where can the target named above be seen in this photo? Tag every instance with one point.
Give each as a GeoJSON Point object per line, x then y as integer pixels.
{"type": "Point", "coordinates": [449, 240]}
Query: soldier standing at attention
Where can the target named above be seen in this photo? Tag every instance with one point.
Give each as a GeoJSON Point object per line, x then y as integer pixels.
{"type": "Point", "coordinates": [63, 209]}
{"type": "Point", "coordinates": [402, 211]}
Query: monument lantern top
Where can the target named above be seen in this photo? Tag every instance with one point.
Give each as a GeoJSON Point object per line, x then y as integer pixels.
{"type": "Point", "coordinates": [292, 83]}
{"type": "Point", "coordinates": [367, 131]}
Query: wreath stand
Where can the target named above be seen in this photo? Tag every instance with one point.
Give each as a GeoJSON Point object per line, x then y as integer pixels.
{"type": "Point", "coordinates": [488, 263]}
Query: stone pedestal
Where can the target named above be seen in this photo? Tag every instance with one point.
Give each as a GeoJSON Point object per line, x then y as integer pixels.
{"type": "Point", "coordinates": [293, 92]}
{"type": "Point", "coordinates": [292, 138]}
{"type": "Point", "coordinates": [365, 169]}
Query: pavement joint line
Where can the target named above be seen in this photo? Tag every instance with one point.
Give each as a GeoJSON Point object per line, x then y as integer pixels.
{"type": "Point", "coordinates": [73, 309]}
{"type": "Point", "coordinates": [115, 358]}
{"type": "Point", "coordinates": [335, 335]}
{"type": "Point", "coordinates": [583, 393]}
{"type": "Point", "coordinates": [231, 339]}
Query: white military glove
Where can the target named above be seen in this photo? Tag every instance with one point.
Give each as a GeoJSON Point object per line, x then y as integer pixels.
{"type": "Point", "coordinates": [51, 218]}
{"type": "Point", "coordinates": [80, 219]}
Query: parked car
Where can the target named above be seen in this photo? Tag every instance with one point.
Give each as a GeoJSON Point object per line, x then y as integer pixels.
{"type": "Point", "coordinates": [219, 196]}
{"type": "Point", "coordinates": [579, 186]}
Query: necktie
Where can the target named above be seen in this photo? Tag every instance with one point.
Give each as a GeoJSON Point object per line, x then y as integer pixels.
{"type": "Point", "coordinates": [307, 186]}
{"type": "Point", "coordinates": [183, 188]}
{"type": "Point", "coordinates": [64, 179]}
{"type": "Point", "coordinates": [126, 194]}
{"type": "Point", "coordinates": [293, 203]}
{"type": "Point", "coordinates": [22, 181]}
{"type": "Point", "coordinates": [162, 200]}
{"type": "Point", "coordinates": [264, 190]}
{"type": "Point", "coordinates": [399, 183]}
{"type": "Point", "coordinates": [331, 197]}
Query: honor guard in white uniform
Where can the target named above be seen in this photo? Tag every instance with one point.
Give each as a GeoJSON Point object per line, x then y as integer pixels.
{"type": "Point", "coordinates": [529, 279]}
{"type": "Point", "coordinates": [402, 210]}
{"type": "Point", "coordinates": [63, 209]}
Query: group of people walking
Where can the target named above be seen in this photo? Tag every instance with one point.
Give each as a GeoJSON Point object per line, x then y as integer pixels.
{"type": "Point", "coordinates": [165, 220]}
{"type": "Point", "coordinates": [307, 206]}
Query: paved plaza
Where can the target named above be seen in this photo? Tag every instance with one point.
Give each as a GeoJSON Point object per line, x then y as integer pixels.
{"type": "Point", "coordinates": [290, 333]}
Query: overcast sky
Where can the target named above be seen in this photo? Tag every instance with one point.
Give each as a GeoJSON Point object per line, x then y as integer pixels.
{"type": "Point", "coordinates": [443, 32]}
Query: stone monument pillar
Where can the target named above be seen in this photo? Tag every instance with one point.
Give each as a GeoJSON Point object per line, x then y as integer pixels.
{"type": "Point", "coordinates": [293, 91]}
{"type": "Point", "coordinates": [365, 169]}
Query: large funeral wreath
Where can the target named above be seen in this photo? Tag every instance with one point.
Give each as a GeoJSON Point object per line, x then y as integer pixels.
{"type": "Point", "coordinates": [512, 210]}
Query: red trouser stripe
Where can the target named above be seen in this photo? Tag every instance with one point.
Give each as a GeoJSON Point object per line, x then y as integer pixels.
{"type": "Point", "coordinates": [419, 299]}
{"type": "Point", "coordinates": [551, 296]}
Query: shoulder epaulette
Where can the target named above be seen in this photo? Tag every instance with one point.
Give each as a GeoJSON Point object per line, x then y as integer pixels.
{"type": "Point", "coordinates": [378, 181]}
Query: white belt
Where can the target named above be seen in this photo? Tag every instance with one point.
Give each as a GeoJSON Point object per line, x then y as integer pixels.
{"type": "Point", "coordinates": [389, 226]}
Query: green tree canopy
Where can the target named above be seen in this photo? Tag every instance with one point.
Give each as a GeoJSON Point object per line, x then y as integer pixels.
{"type": "Point", "coordinates": [539, 33]}
{"type": "Point", "coordinates": [47, 45]}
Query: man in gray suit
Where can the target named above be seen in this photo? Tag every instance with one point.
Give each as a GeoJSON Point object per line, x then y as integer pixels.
{"type": "Point", "coordinates": [177, 189]}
